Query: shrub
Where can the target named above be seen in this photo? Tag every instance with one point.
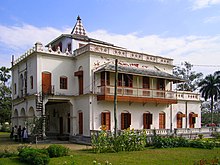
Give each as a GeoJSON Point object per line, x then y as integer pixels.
{"type": "Point", "coordinates": [7, 154]}
{"type": "Point", "coordinates": [126, 141]}
{"type": "Point", "coordinates": [34, 156]}
{"type": "Point", "coordinates": [57, 151]}
{"type": "Point", "coordinates": [216, 135]}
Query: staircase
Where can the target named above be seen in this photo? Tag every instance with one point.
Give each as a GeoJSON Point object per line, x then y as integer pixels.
{"type": "Point", "coordinates": [39, 102]}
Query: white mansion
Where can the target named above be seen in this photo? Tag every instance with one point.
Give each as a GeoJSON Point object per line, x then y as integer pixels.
{"type": "Point", "coordinates": [71, 82]}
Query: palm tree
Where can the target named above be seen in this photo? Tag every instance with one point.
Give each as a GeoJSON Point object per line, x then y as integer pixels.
{"type": "Point", "coordinates": [210, 89]}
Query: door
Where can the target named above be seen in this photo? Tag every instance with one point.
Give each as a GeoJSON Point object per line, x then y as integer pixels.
{"type": "Point", "coordinates": [80, 123]}
{"type": "Point", "coordinates": [61, 125]}
{"type": "Point", "coordinates": [46, 82]}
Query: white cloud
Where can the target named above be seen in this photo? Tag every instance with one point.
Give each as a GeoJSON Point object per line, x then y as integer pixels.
{"type": "Point", "coordinates": [214, 19]}
{"type": "Point", "coordinates": [199, 4]}
{"type": "Point", "coordinates": [202, 50]}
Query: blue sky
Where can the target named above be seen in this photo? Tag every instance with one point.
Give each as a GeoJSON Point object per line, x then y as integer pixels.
{"type": "Point", "coordinates": [185, 30]}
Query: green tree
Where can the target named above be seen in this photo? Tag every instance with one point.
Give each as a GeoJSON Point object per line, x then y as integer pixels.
{"type": "Point", "coordinates": [4, 75]}
{"type": "Point", "coordinates": [192, 78]}
{"type": "Point", "coordinates": [210, 89]}
{"type": "Point", "coordinates": [5, 95]}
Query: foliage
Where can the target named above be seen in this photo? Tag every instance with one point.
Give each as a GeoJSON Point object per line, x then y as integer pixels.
{"type": "Point", "coordinates": [172, 142]}
{"type": "Point", "coordinates": [57, 151]}
{"type": "Point", "coordinates": [34, 156]}
{"type": "Point", "coordinates": [5, 128]}
{"type": "Point", "coordinates": [5, 96]}
{"type": "Point", "coordinates": [36, 128]}
{"type": "Point", "coordinates": [7, 154]}
{"type": "Point", "coordinates": [128, 140]}
{"type": "Point", "coordinates": [186, 73]}
{"type": "Point", "coordinates": [216, 135]}
{"type": "Point", "coordinates": [206, 118]}
{"type": "Point", "coordinates": [147, 156]}
{"type": "Point", "coordinates": [210, 89]}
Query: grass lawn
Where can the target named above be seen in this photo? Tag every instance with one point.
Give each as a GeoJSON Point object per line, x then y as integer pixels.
{"type": "Point", "coordinates": [81, 156]}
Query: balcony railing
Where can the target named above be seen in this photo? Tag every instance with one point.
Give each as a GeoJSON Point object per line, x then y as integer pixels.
{"type": "Point", "coordinates": [136, 92]}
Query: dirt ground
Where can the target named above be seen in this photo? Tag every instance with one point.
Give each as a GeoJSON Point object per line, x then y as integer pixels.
{"type": "Point", "coordinates": [8, 144]}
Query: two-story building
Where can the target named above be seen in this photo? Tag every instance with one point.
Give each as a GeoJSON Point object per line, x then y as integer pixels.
{"type": "Point", "coordinates": [71, 84]}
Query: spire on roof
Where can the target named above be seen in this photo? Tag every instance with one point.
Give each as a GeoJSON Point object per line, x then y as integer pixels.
{"type": "Point", "coordinates": [78, 28]}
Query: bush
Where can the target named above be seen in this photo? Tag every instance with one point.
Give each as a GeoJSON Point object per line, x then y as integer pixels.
{"type": "Point", "coordinates": [57, 151]}
{"type": "Point", "coordinates": [126, 141]}
{"type": "Point", "coordinates": [34, 156]}
{"type": "Point", "coordinates": [7, 154]}
{"type": "Point", "coordinates": [170, 142]}
{"type": "Point", "coordinates": [216, 135]}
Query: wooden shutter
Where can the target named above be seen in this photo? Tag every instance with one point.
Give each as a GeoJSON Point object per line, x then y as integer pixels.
{"type": "Point", "coordinates": [122, 121]}
{"type": "Point", "coordinates": [108, 120]}
{"type": "Point", "coordinates": [145, 120]}
{"type": "Point", "coordinates": [162, 121]}
{"type": "Point", "coordinates": [80, 123]}
{"type": "Point", "coordinates": [46, 83]}
{"type": "Point", "coordinates": [80, 84]}
{"type": "Point", "coordinates": [179, 120]}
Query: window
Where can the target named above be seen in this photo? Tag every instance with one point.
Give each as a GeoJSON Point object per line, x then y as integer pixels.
{"type": "Point", "coordinates": [146, 82]}
{"type": "Point", "coordinates": [69, 47]}
{"type": "Point", "coordinates": [128, 80]}
{"type": "Point", "coordinates": [63, 82]}
{"type": "Point", "coordinates": [60, 45]}
{"type": "Point", "coordinates": [81, 45]}
{"type": "Point", "coordinates": [125, 120]}
{"type": "Point", "coordinates": [105, 78]}
{"type": "Point", "coordinates": [15, 88]}
{"type": "Point", "coordinates": [120, 79]}
{"type": "Point", "coordinates": [106, 120]}
{"type": "Point", "coordinates": [160, 84]}
{"type": "Point", "coordinates": [162, 120]}
{"type": "Point", "coordinates": [31, 82]}
{"type": "Point", "coordinates": [147, 120]}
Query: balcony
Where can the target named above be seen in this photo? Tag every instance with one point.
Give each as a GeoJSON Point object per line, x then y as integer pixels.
{"type": "Point", "coordinates": [140, 95]}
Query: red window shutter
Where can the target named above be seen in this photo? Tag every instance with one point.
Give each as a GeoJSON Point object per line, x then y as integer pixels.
{"type": "Point", "coordinates": [145, 120]}
{"type": "Point", "coordinates": [122, 121]}
{"type": "Point", "coordinates": [102, 118]}
{"type": "Point", "coordinates": [108, 120]}
{"type": "Point", "coordinates": [80, 123]}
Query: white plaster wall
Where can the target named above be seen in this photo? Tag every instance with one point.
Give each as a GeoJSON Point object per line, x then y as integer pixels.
{"type": "Point", "coordinates": [192, 106]}
{"type": "Point", "coordinates": [58, 66]}
{"type": "Point", "coordinates": [82, 104]}
{"type": "Point", "coordinates": [136, 110]}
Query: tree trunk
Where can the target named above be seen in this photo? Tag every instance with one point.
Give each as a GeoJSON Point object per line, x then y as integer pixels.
{"type": "Point", "coordinates": [212, 104]}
